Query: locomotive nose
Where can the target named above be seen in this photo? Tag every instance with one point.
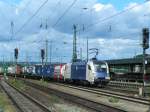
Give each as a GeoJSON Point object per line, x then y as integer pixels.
{"type": "Point", "coordinates": [101, 78]}
{"type": "Point", "coordinates": [100, 75]}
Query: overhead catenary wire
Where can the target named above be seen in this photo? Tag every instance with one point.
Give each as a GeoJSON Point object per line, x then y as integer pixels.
{"type": "Point", "coordinates": [58, 22]}
{"type": "Point", "coordinates": [56, 5]}
{"type": "Point", "coordinates": [65, 12]}
{"type": "Point", "coordinates": [4, 15]}
{"type": "Point", "coordinates": [58, 2]}
{"type": "Point", "coordinates": [21, 28]}
{"type": "Point", "coordinates": [112, 16]}
{"type": "Point", "coordinates": [25, 6]}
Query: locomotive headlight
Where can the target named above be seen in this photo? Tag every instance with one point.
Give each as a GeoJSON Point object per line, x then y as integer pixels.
{"type": "Point", "coordinates": [108, 78]}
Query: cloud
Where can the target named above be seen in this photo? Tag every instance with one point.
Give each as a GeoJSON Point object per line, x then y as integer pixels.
{"type": "Point", "coordinates": [116, 37]}
{"type": "Point", "coordinates": [98, 7]}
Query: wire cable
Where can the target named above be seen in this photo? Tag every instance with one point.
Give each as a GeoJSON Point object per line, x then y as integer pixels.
{"type": "Point", "coordinates": [112, 16]}
{"type": "Point", "coordinates": [60, 18]}
{"type": "Point", "coordinates": [21, 28]}
{"type": "Point", "coordinates": [59, 1]}
{"type": "Point", "coordinates": [26, 5]}
{"type": "Point", "coordinates": [65, 12]}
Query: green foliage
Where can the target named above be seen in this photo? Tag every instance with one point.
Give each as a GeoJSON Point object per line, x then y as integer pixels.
{"type": "Point", "coordinates": [43, 83]}
{"type": "Point", "coordinates": [5, 105]}
{"type": "Point", "coordinates": [55, 99]}
{"type": "Point", "coordinates": [18, 84]}
{"type": "Point", "coordinates": [113, 100]}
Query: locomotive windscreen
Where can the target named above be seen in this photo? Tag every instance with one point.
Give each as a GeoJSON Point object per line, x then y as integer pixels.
{"type": "Point", "coordinates": [100, 66]}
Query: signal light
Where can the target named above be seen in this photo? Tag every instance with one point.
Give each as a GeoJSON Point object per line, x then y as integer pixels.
{"type": "Point", "coordinates": [145, 38]}
{"type": "Point", "coordinates": [42, 53]}
{"type": "Point", "coordinates": [16, 53]}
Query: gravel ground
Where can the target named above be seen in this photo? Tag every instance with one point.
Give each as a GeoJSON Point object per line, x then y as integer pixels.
{"type": "Point", "coordinates": [53, 102]}
{"type": "Point", "coordinates": [126, 105]}
{"type": "Point", "coordinates": [24, 103]}
{"type": "Point", "coordinates": [5, 103]}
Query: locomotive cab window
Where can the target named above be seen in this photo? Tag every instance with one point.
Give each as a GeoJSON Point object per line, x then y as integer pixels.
{"type": "Point", "coordinates": [89, 67]}
{"type": "Point", "coordinates": [100, 67]}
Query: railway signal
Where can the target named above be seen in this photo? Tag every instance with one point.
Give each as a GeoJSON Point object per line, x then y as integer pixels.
{"type": "Point", "coordinates": [16, 53]}
{"type": "Point", "coordinates": [42, 55]}
{"type": "Point", "coordinates": [145, 32]}
{"type": "Point", "coordinates": [145, 38]}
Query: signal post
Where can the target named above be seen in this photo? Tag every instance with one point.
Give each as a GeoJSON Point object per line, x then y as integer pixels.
{"type": "Point", "coordinates": [16, 58]}
{"type": "Point", "coordinates": [145, 46]}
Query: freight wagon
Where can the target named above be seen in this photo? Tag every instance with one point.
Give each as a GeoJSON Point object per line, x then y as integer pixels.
{"type": "Point", "coordinates": [58, 73]}
{"type": "Point", "coordinates": [45, 71]}
{"type": "Point", "coordinates": [14, 70]}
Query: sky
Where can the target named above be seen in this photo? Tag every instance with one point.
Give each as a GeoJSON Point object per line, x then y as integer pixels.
{"type": "Point", "coordinates": [120, 4]}
{"type": "Point", "coordinates": [112, 26]}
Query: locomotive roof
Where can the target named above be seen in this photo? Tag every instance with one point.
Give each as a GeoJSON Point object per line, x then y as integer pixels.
{"type": "Point", "coordinates": [98, 62]}
{"type": "Point", "coordinates": [79, 63]}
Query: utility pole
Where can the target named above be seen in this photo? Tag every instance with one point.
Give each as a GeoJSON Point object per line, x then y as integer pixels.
{"type": "Point", "coordinates": [4, 68]}
{"type": "Point", "coordinates": [74, 56]}
{"type": "Point", "coordinates": [50, 51]}
{"type": "Point", "coordinates": [46, 54]}
{"type": "Point", "coordinates": [27, 59]}
{"type": "Point", "coordinates": [81, 53]}
{"type": "Point", "coordinates": [87, 49]}
{"type": "Point", "coordinates": [42, 56]}
{"type": "Point", "coordinates": [16, 58]}
{"type": "Point", "coordinates": [12, 29]}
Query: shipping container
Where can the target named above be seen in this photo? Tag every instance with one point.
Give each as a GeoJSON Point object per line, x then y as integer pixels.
{"type": "Point", "coordinates": [45, 70]}
{"type": "Point", "coordinates": [30, 69]}
{"type": "Point", "coordinates": [18, 69]}
{"type": "Point", "coordinates": [24, 70]}
{"type": "Point", "coordinates": [58, 72]}
{"type": "Point", "coordinates": [66, 71]}
{"type": "Point", "coordinates": [11, 70]}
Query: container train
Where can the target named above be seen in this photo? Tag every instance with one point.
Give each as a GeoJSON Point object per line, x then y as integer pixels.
{"type": "Point", "coordinates": [93, 72]}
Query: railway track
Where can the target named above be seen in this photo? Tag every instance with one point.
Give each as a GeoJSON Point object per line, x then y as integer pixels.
{"type": "Point", "coordinates": [109, 93]}
{"type": "Point", "coordinates": [92, 105]}
{"type": "Point", "coordinates": [22, 101]}
{"type": "Point", "coordinates": [90, 90]}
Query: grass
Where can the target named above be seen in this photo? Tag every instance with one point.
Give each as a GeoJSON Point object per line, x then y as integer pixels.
{"type": "Point", "coordinates": [113, 100]}
{"type": "Point", "coordinates": [43, 83]}
{"type": "Point", "coordinates": [55, 99]}
{"type": "Point", "coordinates": [18, 84]}
{"type": "Point", "coordinates": [5, 105]}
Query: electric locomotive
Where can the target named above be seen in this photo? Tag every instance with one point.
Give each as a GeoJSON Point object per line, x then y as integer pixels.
{"type": "Point", "coordinates": [91, 72]}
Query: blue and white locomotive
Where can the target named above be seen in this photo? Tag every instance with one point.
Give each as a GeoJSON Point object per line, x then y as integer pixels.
{"type": "Point", "coordinates": [91, 72]}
